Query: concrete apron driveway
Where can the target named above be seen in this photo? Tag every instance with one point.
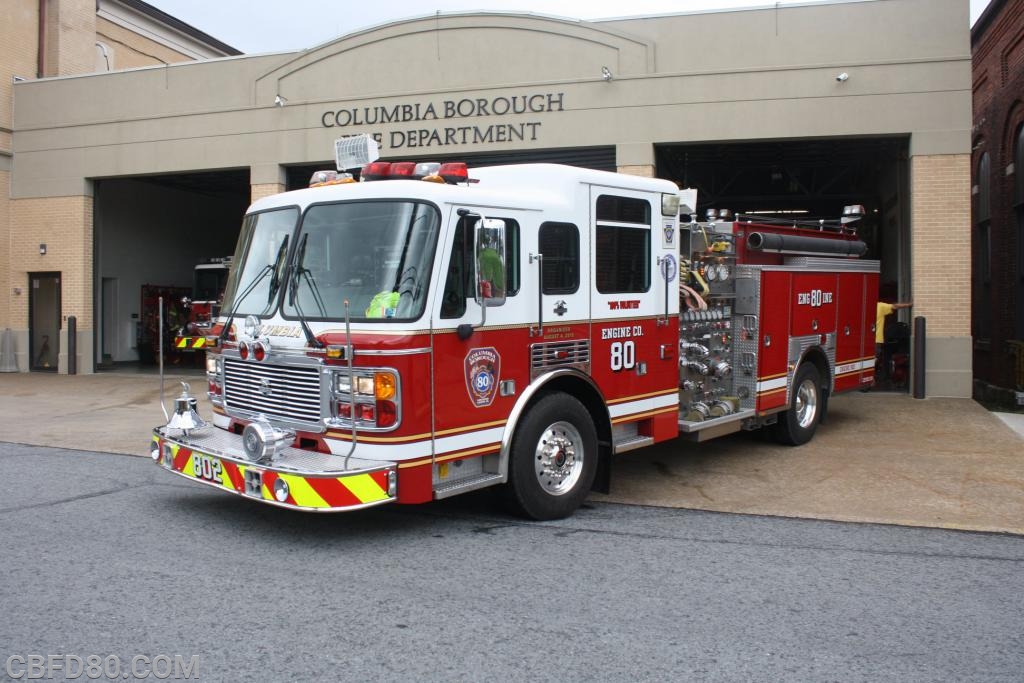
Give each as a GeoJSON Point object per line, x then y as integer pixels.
{"type": "Point", "coordinates": [883, 458]}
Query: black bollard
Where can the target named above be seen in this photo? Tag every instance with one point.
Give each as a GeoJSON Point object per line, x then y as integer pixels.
{"type": "Point", "coordinates": [72, 345]}
{"type": "Point", "coordinates": [919, 357]}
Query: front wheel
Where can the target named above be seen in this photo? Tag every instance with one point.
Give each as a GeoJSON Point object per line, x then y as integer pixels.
{"type": "Point", "coordinates": [797, 425]}
{"type": "Point", "coordinates": [553, 459]}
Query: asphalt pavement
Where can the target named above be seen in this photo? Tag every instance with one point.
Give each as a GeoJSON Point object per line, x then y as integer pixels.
{"type": "Point", "coordinates": [878, 457]}
{"type": "Point", "coordinates": [110, 557]}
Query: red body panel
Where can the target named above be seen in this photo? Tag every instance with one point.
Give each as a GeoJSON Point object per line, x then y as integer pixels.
{"type": "Point", "coordinates": [773, 361]}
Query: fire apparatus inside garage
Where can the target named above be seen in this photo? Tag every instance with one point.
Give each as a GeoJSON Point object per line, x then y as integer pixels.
{"type": "Point", "coordinates": [150, 234]}
{"type": "Point", "coordinates": [793, 110]}
{"type": "Point", "coordinates": [807, 179]}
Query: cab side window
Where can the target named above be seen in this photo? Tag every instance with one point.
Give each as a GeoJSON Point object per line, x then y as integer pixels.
{"type": "Point", "coordinates": [622, 249]}
{"type": "Point", "coordinates": [458, 286]}
{"type": "Point", "coordinates": [560, 245]}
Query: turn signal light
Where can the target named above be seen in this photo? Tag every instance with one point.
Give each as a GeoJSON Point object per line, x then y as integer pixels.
{"type": "Point", "coordinates": [243, 350]}
{"type": "Point", "coordinates": [384, 386]}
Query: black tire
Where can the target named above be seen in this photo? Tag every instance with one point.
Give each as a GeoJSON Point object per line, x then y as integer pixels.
{"type": "Point", "coordinates": [553, 459]}
{"type": "Point", "coordinates": [797, 425]}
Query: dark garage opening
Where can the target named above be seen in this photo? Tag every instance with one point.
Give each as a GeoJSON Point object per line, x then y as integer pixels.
{"type": "Point", "coordinates": [806, 180]}
{"type": "Point", "coordinates": [149, 234]}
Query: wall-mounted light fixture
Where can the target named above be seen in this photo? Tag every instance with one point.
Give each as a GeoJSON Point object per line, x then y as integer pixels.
{"type": "Point", "coordinates": [42, 249]}
{"type": "Point", "coordinates": [843, 77]}
{"type": "Point", "coordinates": [280, 101]}
{"type": "Point", "coordinates": [17, 79]}
{"type": "Point", "coordinates": [606, 73]}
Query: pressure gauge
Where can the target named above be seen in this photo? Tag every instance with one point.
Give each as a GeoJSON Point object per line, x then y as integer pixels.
{"type": "Point", "coordinates": [711, 272]}
{"type": "Point", "coordinates": [723, 272]}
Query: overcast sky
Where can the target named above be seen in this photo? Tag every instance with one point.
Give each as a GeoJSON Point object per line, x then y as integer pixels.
{"type": "Point", "coordinates": [255, 26]}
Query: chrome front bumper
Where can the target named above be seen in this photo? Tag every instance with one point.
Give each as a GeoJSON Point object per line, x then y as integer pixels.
{"type": "Point", "coordinates": [294, 478]}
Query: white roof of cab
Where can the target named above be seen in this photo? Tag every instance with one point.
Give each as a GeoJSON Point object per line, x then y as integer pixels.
{"type": "Point", "coordinates": [525, 186]}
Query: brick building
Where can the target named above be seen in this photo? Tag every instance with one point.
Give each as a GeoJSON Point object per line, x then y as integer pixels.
{"type": "Point", "coordinates": [997, 50]}
{"type": "Point", "coordinates": [67, 38]}
{"type": "Point", "coordinates": [132, 177]}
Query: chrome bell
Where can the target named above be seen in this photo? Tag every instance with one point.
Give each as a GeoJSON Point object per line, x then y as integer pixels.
{"type": "Point", "coordinates": [186, 417]}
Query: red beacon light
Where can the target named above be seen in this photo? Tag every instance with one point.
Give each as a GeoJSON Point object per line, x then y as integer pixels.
{"type": "Point", "coordinates": [376, 170]}
{"type": "Point", "coordinates": [454, 172]}
{"type": "Point", "coordinates": [402, 169]}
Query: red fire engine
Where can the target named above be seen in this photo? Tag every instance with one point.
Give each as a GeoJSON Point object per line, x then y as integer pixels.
{"type": "Point", "coordinates": [404, 340]}
{"type": "Point", "coordinates": [204, 306]}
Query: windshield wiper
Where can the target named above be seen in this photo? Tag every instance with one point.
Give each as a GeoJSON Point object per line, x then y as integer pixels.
{"type": "Point", "coordinates": [297, 272]}
{"type": "Point", "coordinates": [274, 285]}
{"type": "Point", "coordinates": [275, 280]}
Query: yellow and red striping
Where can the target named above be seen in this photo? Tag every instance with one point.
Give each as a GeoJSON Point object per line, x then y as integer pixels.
{"type": "Point", "coordinates": [315, 492]}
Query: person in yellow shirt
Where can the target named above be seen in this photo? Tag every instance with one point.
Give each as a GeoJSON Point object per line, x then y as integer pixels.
{"type": "Point", "coordinates": [882, 311]}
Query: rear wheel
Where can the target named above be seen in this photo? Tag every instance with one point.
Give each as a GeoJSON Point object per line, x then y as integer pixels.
{"type": "Point", "coordinates": [553, 459]}
{"type": "Point", "coordinates": [797, 425]}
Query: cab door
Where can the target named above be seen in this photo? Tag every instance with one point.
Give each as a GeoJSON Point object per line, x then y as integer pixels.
{"type": "Point", "coordinates": [634, 305]}
{"type": "Point", "coordinates": [480, 358]}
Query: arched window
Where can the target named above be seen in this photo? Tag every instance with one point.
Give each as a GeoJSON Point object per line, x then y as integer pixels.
{"type": "Point", "coordinates": [983, 198]}
{"type": "Point", "coordinates": [1018, 167]}
{"type": "Point", "coordinates": [983, 250]}
{"type": "Point", "coordinates": [1018, 201]}
{"type": "Point", "coordinates": [983, 217]}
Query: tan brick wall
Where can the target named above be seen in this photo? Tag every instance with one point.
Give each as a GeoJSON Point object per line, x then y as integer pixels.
{"type": "Point", "coordinates": [64, 224]}
{"type": "Point", "coordinates": [261, 191]}
{"type": "Point", "coordinates": [129, 50]}
{"type": "Point", "coordinates": [70, 37]}
{"type": "Point", "coordinates": [5, 251]}
{"type": "Point", "coordinates": [19, 30]}
{"type": "Point", "coordinates": [645, 171]}
{"type": "Point", "coordinates": [941, 242]}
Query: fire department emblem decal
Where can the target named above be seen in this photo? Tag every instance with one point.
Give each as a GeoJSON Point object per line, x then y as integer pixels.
{"type": "Point", "coordinates": [483, 369]}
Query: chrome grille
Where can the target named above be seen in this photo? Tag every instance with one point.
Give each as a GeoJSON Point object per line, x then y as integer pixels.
{"type": "Point", "coordinates": [560, 354]}
{"type": "Point", "coordinates": [286, 392]}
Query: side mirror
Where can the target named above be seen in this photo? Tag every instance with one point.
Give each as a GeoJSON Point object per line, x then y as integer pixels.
{"type": "Point", "coordinates": [489, 264]}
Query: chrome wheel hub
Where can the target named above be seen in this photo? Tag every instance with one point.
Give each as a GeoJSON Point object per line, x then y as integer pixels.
{"type": "Point", "coordinates": [558, 460]}
{"type": "Point", "coordinates": [806, 403]}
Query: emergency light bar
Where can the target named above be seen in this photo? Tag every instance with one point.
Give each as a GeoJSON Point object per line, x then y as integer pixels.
{"type": "Point", "coordinates": [451, 173]}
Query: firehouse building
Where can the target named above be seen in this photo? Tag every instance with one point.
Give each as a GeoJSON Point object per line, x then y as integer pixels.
{"type": "Point", "coordinates": [122, 182]}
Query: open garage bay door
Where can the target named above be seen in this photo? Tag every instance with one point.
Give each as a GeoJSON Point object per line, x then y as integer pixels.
{"type": "Point", "coordinates": [149, 234]}
{"type": "Point", "coordinates": [806, 179]}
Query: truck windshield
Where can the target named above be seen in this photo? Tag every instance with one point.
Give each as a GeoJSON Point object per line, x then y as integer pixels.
{"type": "Point", "coordinates": [257, 264]}
{"type": "Point", "coordinates": [376, 254]}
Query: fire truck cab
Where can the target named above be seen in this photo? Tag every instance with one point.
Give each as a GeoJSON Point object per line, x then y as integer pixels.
{"type": "Point", "coordinates": [400, 340]}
